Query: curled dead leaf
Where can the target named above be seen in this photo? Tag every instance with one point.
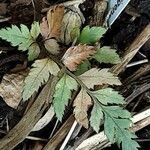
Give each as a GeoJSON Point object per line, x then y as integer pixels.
{"type": "Point", "coordinates": [76, 54]}
{"type": "Point", "coordinates": [50, 43]}
{"type": "Point", "coordinates": [73, 19]}
{"type": "Point", "coordinates": [44, 120]}
{"type": "Point", "coordinates": [60, 23]}
{"type": "Point", "coordinates": [51, 28]}
{"type": "Point", "coordinates": [54, 18]}
{"type": "Point", "coordinates": [11, 88]}
{"type": "Point", "coordinates": [51, 25]}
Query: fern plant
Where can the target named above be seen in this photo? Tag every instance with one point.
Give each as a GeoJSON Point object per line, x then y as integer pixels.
{"type": "Point", "coordinates": [107, 104]}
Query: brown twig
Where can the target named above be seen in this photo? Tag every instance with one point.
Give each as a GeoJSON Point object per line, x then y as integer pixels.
{"type": "Point", "coordinates": [132, 50]}
{"type": "Point", "coordinates": [145, 69]}
{"type": "Point", "coordinates": [137, 92]}
{"type": "Point", "coordinates": [60, 134]}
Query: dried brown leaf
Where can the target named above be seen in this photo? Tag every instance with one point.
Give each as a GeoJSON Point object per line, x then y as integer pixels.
{"type": "Point", "coordinates": [50, 44]}
{"type": "Point", "coordinates": [82, 103]}
{"type": "Point", "coordinates": [51, 28]}
{"type": "Point", "coordinates": [44, 28]}
{"type": "Point", "coordinates": [11, 88]}
{"type": "Point", "coordinates": [61, 22]}
{"type": "Point", "coordinates": [95, 76]}
{"type": "Point", "coordinates": [54, 18]}
{"type": "Point", "coordinates": [76, 54]}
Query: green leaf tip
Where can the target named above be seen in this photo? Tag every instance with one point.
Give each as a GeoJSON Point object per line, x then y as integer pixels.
{"type": "Point", "coordinates": [62, 94]}
{"type": "Point", "coordinates": [23, 38]}
{"type": "Point", "coordinates": [107, 55]}
{"type": "Point", "coordinates": [35, 29]}
{"type": "Point", "coordinates": [109, 96]}
{"type": "Point", "coordinates": [17, 37]}
{"type": "Point", "coordinates": [91, 35]}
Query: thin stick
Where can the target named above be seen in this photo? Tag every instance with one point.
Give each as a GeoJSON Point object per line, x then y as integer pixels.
{"type": "Point", "coordinates": [34, 9]}
{"type": "Point", "coordinates": [143, 70]}
{"type": "Point", "coordinates": [142, 55]}
{"type": "Point", "coordinates": [36, 138]}
{"type": "Point", "coordinates": [54, 129]}
{"type": "Point", "coordinates": [5, 19]}
{"type": "Point", "coordinates": [137, 63]}
{"type": "Point", "coordinates": [140, 116]}
{"type": "Point", "coordinates": [60, 134]}
{"type": "Point", "coordinates": [143, 140]}
{"type": "Point", "coordinates": [7, 124]}
{"type": "Point", "coordinates": [137, 92]}
{"type": "Point", "coordinates": [68, 136]}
